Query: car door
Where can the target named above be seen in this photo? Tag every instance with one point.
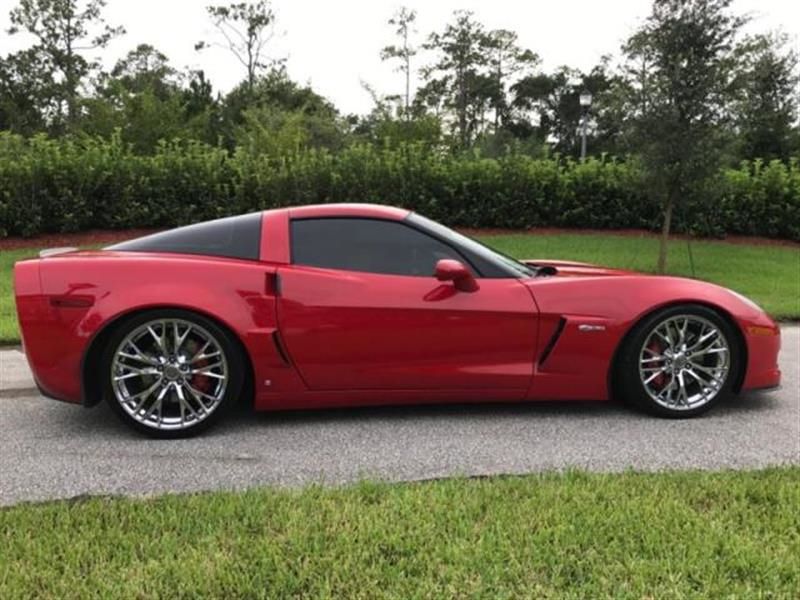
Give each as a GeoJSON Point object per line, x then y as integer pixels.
{"type": "Point", "coordinates": [359, 308]}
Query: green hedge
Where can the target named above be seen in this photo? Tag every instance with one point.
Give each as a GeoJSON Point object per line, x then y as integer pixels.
{"type": "Point", "coordinates": [67, 185]}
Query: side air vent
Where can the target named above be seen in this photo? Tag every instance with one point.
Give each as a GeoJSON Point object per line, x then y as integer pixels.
{"type": "Point", "coordinates": [562, 322]}
{"type": "Point", "coordinates": [546, 271]}
{"type": "Point", "coordinates": [276, 339]}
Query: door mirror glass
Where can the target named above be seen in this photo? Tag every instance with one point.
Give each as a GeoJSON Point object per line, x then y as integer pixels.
{"type": "Point", "coordinates": [458, 273]}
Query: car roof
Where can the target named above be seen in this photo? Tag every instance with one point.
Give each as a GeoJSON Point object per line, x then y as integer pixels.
{"type": "Point", "coordinates": [371, 211]}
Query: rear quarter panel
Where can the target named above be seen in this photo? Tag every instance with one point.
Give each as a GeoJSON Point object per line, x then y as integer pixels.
{"type": "Point", "coordinates": [57, 330]}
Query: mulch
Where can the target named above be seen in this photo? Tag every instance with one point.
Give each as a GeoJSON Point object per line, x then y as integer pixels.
{"type": "Point", "coordinates": [95, 237]}
{"type": "Point", "coordinates": [637, 233]}
{"type": "Point", "coordinates": [100, 237]}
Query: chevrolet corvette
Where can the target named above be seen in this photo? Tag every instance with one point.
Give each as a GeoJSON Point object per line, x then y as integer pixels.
{"type": "Point", "coordinates": [358, 304]}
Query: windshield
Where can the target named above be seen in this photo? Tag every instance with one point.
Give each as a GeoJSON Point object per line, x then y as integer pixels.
{"type": "Point", "coordinates": [473, 246]}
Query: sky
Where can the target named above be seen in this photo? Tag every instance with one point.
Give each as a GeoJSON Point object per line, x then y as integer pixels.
{"type": "Point", "coordinates": [335, 45]}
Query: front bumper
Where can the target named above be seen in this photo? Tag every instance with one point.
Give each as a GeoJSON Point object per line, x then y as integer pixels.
{"type": "Point", "coordinates": [763, 341]}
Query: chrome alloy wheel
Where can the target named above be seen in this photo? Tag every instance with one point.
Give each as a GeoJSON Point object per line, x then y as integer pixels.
{"type": "Point", "coordinates": [684, 362]}
{"type": "Point", "coordinates": [169, 374]}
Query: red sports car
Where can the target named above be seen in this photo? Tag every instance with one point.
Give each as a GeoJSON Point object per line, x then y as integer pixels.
{"type": "Point", "coordinates": [343, 305]}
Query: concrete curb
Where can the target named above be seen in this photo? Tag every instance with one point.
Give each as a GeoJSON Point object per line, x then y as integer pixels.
{"type": "Point", "coordinates": [15, 376]}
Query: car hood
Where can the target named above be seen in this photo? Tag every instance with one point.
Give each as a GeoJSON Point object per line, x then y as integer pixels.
{"type": "Point", "coordinates": [567, 268]}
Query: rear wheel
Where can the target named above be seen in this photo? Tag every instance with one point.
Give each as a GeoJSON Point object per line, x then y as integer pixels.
{"type": "Point", "coordinates": [679, 362]}
{"type": "Point", "coordinates": [171, 373]}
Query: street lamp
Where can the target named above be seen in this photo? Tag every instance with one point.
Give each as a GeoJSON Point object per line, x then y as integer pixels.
{"type": "Point", "coordinates": [585, 100]}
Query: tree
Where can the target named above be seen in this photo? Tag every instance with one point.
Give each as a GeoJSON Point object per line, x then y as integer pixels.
{"type": "Point", "coordinates": [146, 100]}
{"type": "Point", "coordinates": [404, 21]}
{"type": "Point", "coordinates": [64, 30]}
{"type": "Point", "coordinates": [459, 80]}
{"type": "Point", "coordinates": [506, 60]}
{"type": "Point", "coordinates": [274, 93]}
{"type": "Point", "coordinates": [767, 109]}
{"type": "Point", "coordinates": [685, 53]}
{"type": "Point", "coordinates": [202, 109]}
{"type": "Point", "coordinates": [276, 132]}
{"type": "Point", "coordinates": [25, 92]}
{"type": "Point", "coordinates": [145, 68]}
{"type": "Point", "coordinates": [383, 127]}
{"type": "Point", "coordinates": [199, 94]}
{"type": "Point", "coordinates": [552, 99]}
{"type": "Point", "coordinates": [246, 28]}
{"type": "Point", "coordinates": [609, 131]}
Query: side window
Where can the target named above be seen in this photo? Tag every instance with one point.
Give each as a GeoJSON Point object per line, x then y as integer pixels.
{"type": "Point", "coordinates": [370, 245]}
{"type": "Point", "coordinates": [233, 237]}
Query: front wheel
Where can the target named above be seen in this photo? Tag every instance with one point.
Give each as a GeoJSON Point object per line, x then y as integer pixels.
{"type": "Point", "coordinates": [171, 373]}
{"type": "Point", "coordinates": [679, 362]}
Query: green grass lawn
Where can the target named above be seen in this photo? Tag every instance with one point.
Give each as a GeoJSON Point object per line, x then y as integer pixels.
{"type": "Point", "coordinates": [9, 331]}
{"type": "Point", "coordinates": [770, 275]}
{"type": "Point", "coordinates": [573, 535]}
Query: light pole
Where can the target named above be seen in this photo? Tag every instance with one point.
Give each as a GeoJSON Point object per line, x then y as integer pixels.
{"type": "Point", "coordinates": [585, 102]}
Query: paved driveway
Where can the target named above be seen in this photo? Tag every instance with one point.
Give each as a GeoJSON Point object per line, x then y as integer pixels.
{"type": "Point", "coordinates": [52, 450]}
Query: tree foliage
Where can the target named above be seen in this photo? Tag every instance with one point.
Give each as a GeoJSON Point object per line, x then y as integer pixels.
{"type": "Point", "coordinates": [65, 30]}
{"type": "Point", "coordinates": [686, 50]}
{"type": "Point", "coordinates": [507, 61]}
{"type": "Point", "coordinates": [245, 28]}
{"type": "Point", "coordinates": [458, 80]}
{"type": "Point", "coordinates": [766, 110]}
{"type": "Point", "coordinates": [144, 99]}
{"type": "Point", "coordinates": [26, 92]}
{"type": "Point", "coordinates": [689, 101]}
{"type": "Point", "coordinates": [404, 51]}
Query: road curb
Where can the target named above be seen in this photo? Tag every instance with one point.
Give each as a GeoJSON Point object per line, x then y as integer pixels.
{"type": "Point", "coordinates": [15, 375]}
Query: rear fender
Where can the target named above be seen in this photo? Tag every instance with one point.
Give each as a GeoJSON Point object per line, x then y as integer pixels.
{"type": "Point", "coordinates": [231, 292]}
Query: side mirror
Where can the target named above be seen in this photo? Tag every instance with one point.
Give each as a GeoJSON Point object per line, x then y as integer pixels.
{"type": "Point", "coordinates": [457, 272]}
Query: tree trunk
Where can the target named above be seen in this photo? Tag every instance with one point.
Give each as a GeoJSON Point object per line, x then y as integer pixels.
{"type": "Point", "coordinates": [497, 108]}
{"type": "Point", "coordinates": [408, 84]}
{"type": "Point", "coordinates": [251, 70]}
{"type": "Point", "coordinates": [72, 93]}
{"type": "Point", "coordinates": [462, 113]}
{"type": "Point", "coordinates": [72, 88]}
{"type": "Point", "coordinates": [662, 249]}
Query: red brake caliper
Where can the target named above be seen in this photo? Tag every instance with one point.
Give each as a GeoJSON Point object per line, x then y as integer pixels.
{"type": "Point", "coordinates": [658, 349]}
{"type": "Point", "coordinates": [199, 382]}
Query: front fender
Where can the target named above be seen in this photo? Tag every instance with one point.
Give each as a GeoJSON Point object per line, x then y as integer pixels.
{"type": "Point", "coordinates": [598, 312]}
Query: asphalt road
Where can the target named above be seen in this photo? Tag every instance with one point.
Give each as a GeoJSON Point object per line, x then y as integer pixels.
{"type": "Point", "coordinates": [52, 450]}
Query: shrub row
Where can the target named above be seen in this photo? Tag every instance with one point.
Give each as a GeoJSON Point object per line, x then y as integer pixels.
{"type": "Point", "coordinates": [67, 185]}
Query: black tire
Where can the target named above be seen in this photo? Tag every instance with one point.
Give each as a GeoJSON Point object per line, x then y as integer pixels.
{"type": "Point", "coordinates": [231, 356]}
{"type": "Point", "coordinates": [628, 382]}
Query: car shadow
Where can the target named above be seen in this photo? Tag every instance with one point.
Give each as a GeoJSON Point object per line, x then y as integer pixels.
{"type": "Point", "coordinates": [757, 401]}
{"type": "Point", "coordinates": [101, 422]}
{"type": "Point", "coordinates": [751, 402]}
